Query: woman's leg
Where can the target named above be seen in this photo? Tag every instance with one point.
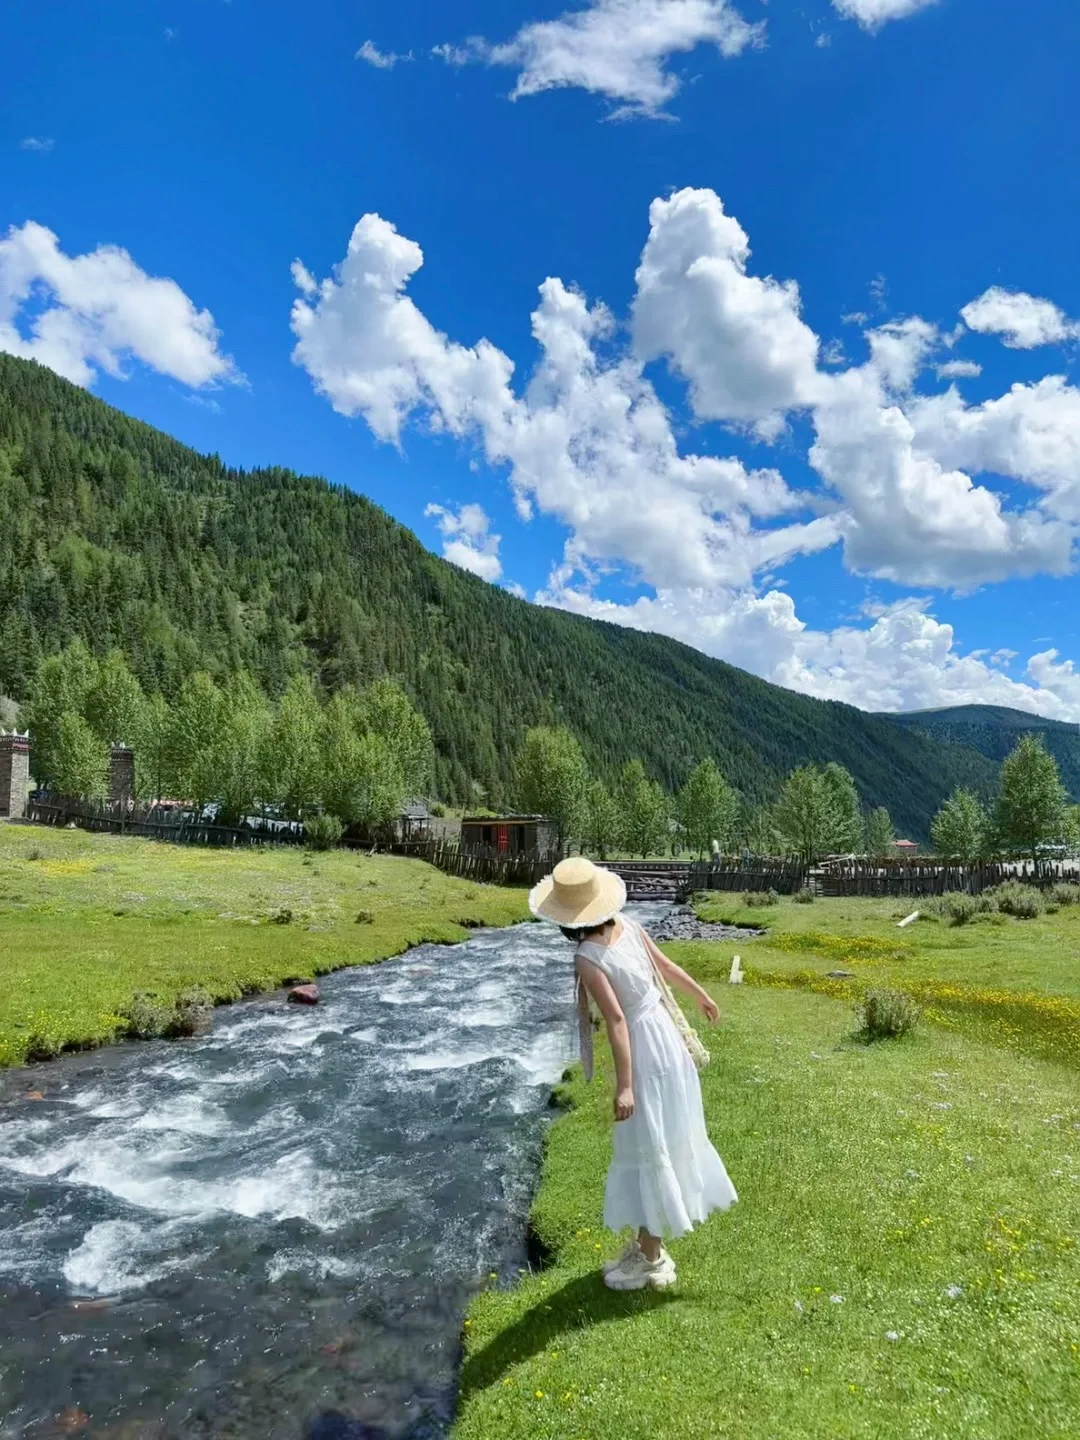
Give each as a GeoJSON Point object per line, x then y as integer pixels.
{"type": "Point", "coordinates": [650, 1246]}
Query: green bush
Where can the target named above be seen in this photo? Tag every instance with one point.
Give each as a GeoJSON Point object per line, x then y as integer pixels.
{"type": "Point", "coordinates": [1023, 902]}
{"type": "Point", "coordinates": [35, 853]}
{"type": "Point", "coordinates": [760, 899]}
{"type": "Point", "coordinates": [284, 916]}
{"type": "Point", "coordinates": [885, 1014]}
{"type": "Point", "coordinates": [1062, 895]}
{"type": "Point", "coordinates": [191, 1013]}
{"type": "Point", "coordinates": [147, 1017]}
{"type": "Point", "coordinates": [805, 896]}
{"type": "Point", "coordinates": [323, 832]}
{"type": "Point", "coordinates": [958, 909]}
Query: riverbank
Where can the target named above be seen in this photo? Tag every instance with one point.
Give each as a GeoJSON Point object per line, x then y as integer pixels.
{"type": "Point", "coordinates": [86, 921]}
{"type": "Point", "coordinates": [903, 1256]}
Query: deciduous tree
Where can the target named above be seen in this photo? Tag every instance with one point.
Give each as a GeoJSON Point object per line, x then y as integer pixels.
{"type": "Point", "coordinates": [1032, 807]}
{"type": "Point", "coordinates": [707, 808]}
{"type": "Point", "coordinates": [959, 829]}
{"type": "Point", "coordinates": [552, 779]}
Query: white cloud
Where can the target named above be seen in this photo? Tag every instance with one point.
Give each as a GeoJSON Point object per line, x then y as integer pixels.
{"type": "Point", "coordinates": [37, 144]}
{"type": "Point", "coordinates": [738, 340]}
{"type": "Point", "coordinates": [84, 313]}
{"type": "Point", "coordinates": [958, 370]}
{"type": "Point", "coordinates": [909, 518]}
{"type": "Point", "coordinates": [615, 48]}
{"type": "Point", "coordinates": [381, 59]}
{"type": "Point", "coordinates": [1031, 433]}
{"type": "Point", "coordinates": [474, 49]}
{"type": "Point", "coordinates": [872, 14]}
{"type": "Point", "coordinates": [588, 441]}
{"type": "Point", "coordinates": [1022, 320]}
{"type": "Point", "coordinates": [467, 539]}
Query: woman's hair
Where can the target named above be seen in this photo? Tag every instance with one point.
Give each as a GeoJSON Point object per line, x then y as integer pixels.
{"type": "Point", "coordinates": [577, 935]}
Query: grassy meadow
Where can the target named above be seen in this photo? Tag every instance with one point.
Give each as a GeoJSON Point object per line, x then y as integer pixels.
{"type": "Point", "coordinates": [904, 1257]}
{"type": "Point", "coordinates": [88, 920]}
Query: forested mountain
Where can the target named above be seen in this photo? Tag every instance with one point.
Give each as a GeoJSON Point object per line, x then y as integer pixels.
{"type": "Point", "coordinates": [993, 730]}
{"type": "Point", "coordinates": [115, 532]}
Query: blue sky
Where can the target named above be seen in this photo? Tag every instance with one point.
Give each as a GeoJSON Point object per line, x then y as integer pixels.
{"type": "Point", "coordinates": [828, 430]}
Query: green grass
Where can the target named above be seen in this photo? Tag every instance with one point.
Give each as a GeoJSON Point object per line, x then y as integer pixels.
{"type": "Point", "coordinates": [933, 1183]}
{"type": "Point", "coordinates": [1014, 982]}
{"type": "Point", "coordinates": [886, 1174]}
{"type": "Point", "coordinates": [96, 918]}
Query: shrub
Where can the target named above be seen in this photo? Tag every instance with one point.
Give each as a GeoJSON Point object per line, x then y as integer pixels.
{"type": "Point", "coordinates": [191, 1012]}
{"type": "Point", "coordinates": [958, 909]}
{"type": "Point", "coordinates": [35, 853]}
{"type": "Point", "coordinates": [805, 896]}
{"type": "Point", "coordinates": [365, 917]}
{"type": "Point", "coordinates": [1023, 902]}
{"type": "Point", "coordinates": [283, 916]}
{"type": "Point", "coordinates": [323, 832]}
{"type": "Point", "coordinates": [146, 1016]}
{"type": "Point", "coordinates": [885, 1014]}
{"type": "Point", "coordinates": [1062, 895]}
{"type": "Point", "coordinates": [760, 899]}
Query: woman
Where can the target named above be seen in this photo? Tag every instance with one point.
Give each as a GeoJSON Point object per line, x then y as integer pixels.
{"type": "Point", "coordinates": [665, 1176]}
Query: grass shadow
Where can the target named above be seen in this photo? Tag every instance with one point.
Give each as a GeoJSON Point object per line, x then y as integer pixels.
{"type": "Point", "coordinates": [580, 1303]}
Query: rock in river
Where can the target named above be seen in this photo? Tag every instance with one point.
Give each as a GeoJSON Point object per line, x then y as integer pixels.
{"type": "Point", "coordinates": [304, 995]}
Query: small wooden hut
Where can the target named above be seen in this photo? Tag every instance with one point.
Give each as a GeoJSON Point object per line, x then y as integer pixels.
{"type": "Point", "coordinates": [511, 835]}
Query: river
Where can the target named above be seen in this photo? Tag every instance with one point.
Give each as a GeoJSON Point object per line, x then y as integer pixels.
{"type": "Point", "coordinates": [272, 1231]}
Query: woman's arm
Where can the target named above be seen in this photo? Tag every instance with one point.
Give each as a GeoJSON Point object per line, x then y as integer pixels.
{"type": "Point", "coordinates": [599, 987]}
{"type": "Point", "coordinates": [678, 977]}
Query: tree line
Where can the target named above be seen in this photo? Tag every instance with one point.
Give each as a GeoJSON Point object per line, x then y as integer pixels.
{"type": "Point", "coordinates": [1030, 812]}
{"type": "Point", "coordinates": [816, 812]}
{"type": "Point", "coordinates": [357, 754]}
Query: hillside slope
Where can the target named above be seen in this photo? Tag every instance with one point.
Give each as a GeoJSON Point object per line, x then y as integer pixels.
{"type": "Point", "coordinates": [116, 532]}
{"type": "Point", "coordinates": [994, 729]}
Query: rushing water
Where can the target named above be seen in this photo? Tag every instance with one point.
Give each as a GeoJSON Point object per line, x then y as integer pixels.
{"type": "Point", "coordinates": [272, 1230]}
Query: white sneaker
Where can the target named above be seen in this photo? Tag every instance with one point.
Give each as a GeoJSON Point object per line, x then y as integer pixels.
{"type": "Point", "coordinates": [630, 1248]}
{"type": "Point", "coordinates": [636, 1273]}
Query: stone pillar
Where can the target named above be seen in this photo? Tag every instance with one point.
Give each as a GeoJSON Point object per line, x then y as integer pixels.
{"type": "Point", "coordinates": [121, 774]}
{"type": "Point", "coordinates": [14, 774]}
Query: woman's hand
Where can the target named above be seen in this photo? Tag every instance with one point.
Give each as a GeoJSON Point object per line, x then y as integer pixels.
{"type": "Point", "coordinates": [624, 1104]}
{"type": "Point", "coordinates": [709, 1007]}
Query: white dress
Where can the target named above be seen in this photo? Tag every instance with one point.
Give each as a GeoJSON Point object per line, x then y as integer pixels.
{"type": "Point", "coordinates": [665, 1174]}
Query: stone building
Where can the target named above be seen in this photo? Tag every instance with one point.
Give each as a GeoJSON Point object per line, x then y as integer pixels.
{"type": "Point", "coordinates": [14, 774]}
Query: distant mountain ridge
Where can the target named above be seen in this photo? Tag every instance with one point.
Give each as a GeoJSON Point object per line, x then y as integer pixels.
{"type": "Point", "coordinates": [994, 729]}
{"type": "Point", "coordinates": [117, 533]}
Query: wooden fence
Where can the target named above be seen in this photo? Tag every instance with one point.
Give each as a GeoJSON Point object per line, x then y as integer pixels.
{"type": "Point", "coordinates": [155, 822]}
{"type": "Point", "coordinates": [484, 865]}
{"type": "Point", "coordinates": [784, 875]}
{"type": "Point", "coordinates": [935, 877]}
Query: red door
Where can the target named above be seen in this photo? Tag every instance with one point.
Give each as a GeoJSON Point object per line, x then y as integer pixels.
{"type": "Point", "coordinates": [502, 839]}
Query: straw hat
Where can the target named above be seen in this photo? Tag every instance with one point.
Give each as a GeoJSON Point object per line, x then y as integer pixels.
{"type": "Point", "coordinates": [578, 894]}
